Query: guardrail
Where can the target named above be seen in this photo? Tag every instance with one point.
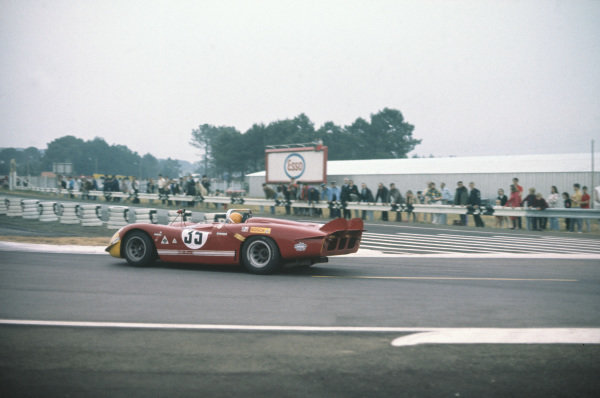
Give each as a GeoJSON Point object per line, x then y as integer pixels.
{"type": "Point", "coordinates": [336, 206]}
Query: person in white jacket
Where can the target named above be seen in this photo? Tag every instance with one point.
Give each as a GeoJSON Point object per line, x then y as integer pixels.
{"type": "Point", "coordinates": [554, 202]}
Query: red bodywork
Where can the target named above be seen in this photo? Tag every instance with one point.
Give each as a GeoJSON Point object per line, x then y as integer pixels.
{"type": "Point", "coordinates": [221, 243]}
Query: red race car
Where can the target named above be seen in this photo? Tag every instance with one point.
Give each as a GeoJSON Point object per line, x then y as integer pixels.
{"type": "Point", "coordinates": [261, 244]}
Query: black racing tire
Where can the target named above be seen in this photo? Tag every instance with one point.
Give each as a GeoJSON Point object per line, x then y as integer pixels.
{"type": "Point", "coordinates": [260, 255]}
{"type": "Point", "coordinates": [138, 249]}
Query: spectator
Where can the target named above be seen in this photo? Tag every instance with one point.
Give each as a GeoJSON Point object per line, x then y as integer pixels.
{"type": "Point", "coordinates": [292, 190]}
{"type": "Point", "coordinates": [353, 190]}
{"type": "Point", "coordinates": [116, 187]}
{"type": "Point", "coordinates": [313, 198]}
{"type": "Point", "coordinates": [349, 194]}
{"type": "Point", "coordinates": [150, 187]}
{"type": "Point", "coordinates": [568, 205]}
{"type": "Point", "coordinates": [514, 201]}
{"type": "Point", "coordinates": [501, 200]}
{"type": "Point", "coordinates": [335, 194]}
{"type": "Point", "coordinates": [576, 204]}
{"type": "Point", "coordinates": [475, 204]}
{"type": "Point", "coordinates": [410, 202]}
{"type": "Point", "coordinates": [62, 184]}
{"type": "Point", "coordinates": [516, 184]}
{"type": "Point", "coordinates": [162, 188]}
{"type": "Point", "coordinates": [365, 196]}
{"type": "Point", "coordinates": [71, 186]}
{"type": "Point", "coordinates": [585, 204]}
{"type": "Point", "coordinates": [305, 196]}
{"type": "Point", "coordinates": [396, 199]}
{"type": "Point", "coordinates": [554, 203]}
{"type": "Point", "coordinates": [190, 188]}
{"type": "Point", "coordinates": [461, 198]}
{"type": "Point", "coordinates": [269, 192]}
{"type": "Point", "coordinates": [539, 204]}
{"type": "Point", "coordinates": [206, 184]}
{"type": "Point", "coordinates": [446, 200]}
{"type": "Point", "coordinates": [520, 189]}
{"type": "Point", "coordinates": [383, 194]}
{"type": "Point", "coordinates": [528, 202]}
{"type": "Point", "coordinates": [433, 197]}
{"type": "Point", "coordinates": [325, 193]}
{"type": "Point", "coordinates": [86, 187]}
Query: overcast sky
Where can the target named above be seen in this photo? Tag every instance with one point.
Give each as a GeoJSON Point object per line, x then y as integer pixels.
{"type": "Point", "coordinates": [473, 77]}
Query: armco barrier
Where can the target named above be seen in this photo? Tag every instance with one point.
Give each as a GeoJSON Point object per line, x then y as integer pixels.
{"type": "Point", "coordinates": [14, 207]}
{"type": "Point", "coordinates": [68, 213]}
{"type": "Point", "coordinates": [117, 217]}
{"type": "Point", "coordinates": [48, 211]}
{"type": "Point", "coordinates": [90, 215]}
{"type": "Point", "coordinates": [371, 208]}
{"type": "Point", "coordinates": [30, 209]}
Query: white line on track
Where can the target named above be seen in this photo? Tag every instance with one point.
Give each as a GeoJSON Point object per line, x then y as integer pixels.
{"type": "Point", "coordinates": [74, 249]}
{"type": "Point", "coordinates": [424, 335]}
{"type": "Point", "coordinates": [446, 278]}
{"type": "Point", "coordinates": [502, 336]}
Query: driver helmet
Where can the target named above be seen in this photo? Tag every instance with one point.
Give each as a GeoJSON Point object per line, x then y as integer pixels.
{"type": "Point", "coordinates": [235, 218]}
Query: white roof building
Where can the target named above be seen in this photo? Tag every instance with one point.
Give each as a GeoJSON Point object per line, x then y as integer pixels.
{"type": "Point", "coordinates": [488, 172]}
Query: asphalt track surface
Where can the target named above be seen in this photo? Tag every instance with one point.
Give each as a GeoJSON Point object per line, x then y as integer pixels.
{"type": "Point", "coordinates": [181, 330]}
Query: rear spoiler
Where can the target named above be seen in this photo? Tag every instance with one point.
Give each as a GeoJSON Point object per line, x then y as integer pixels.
{"type": "Point", "coordinates": [341, 224]}
{"type": "Point", "coordinates": [343, 236]}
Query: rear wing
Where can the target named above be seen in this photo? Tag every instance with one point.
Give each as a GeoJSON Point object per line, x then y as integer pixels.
{"type": "Point", "coordinates": [343, 236]}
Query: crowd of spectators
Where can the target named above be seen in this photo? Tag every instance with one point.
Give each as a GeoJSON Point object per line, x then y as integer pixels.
{"type": "Point", "coordinates": [337, 196]}
{"type": "Point", "coordinates": [469, 197]}
{"type": "Point", "coordinates": [131, 186]}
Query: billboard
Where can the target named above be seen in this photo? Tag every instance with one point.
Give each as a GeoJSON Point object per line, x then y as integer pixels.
{"type": "Point", "coordinates": [305, 164]}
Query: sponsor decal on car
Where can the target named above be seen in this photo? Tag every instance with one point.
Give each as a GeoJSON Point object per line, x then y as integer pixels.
{"type": "Point", "coordinates": [300, 246]}
{"type": "Point", "coordinates": [260, 230]}
{"type": "Point", "coordinates": [221, 233]}
{"type": "Point", "coordinates": [239, 237]}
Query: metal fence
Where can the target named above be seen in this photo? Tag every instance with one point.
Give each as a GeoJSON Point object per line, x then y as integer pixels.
{"type": "Point", "coordinates": [323, 208]}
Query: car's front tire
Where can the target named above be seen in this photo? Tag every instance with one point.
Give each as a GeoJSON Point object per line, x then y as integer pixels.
{"type": "Point", "coordinates": [260, 255]}
{"type": "Point", "coordinates": [138, 249]}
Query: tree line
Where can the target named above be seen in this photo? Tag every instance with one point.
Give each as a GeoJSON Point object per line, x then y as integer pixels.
{"type": "Point", "coordinates": [87, 157]}
{"type": "Point", "coordinates": [229, 152]}
{"type": "Point", "coordinates": [226, 151]}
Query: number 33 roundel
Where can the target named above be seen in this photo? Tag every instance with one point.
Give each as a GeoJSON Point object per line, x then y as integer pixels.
{"type": "Point", "coordinates": [194, 239]}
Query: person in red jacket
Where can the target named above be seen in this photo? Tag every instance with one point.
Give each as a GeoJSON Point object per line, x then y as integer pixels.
{"type": "Point", "coordinates": [585, 204]}
{"type": "Point", "coordinates": [514, 201]}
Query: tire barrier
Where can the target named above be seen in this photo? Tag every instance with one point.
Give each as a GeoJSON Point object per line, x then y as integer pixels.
{"type": "Point", "coordinates": [14, 208]}
{"type": "Point", "coordinates": [146, 216]}
{"type": "Point", "coordinates": [117, 217]}
{"type": "Point", "coordinates": [48, 211]}
{"type": "Point", "coordinates": [90, 215]}
{"type": "Point", "coordinates": [68, 213]}
{"type": "Point", "coordinates": [3, 208]}
{"type": "Point", "coordinates": [30, 209]}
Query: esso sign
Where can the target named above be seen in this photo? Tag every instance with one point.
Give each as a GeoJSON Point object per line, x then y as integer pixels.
{"type": "Point", "coordinates": [294, 165]}
{"type": "Point", "coordinates": [305, 164]}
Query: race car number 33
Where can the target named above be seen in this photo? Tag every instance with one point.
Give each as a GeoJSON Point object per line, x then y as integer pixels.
{"type": "Point", "coordinates": [194, 239]}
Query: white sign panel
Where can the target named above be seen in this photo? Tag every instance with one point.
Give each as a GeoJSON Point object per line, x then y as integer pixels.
{"type": "Point", "coordinates": [307, 164]}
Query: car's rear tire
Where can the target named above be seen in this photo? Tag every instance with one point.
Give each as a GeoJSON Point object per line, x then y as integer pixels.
{"type": "Point", "coordinates": [138, 249]}
{"type": "Point", "coordinates": [260, 255]}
